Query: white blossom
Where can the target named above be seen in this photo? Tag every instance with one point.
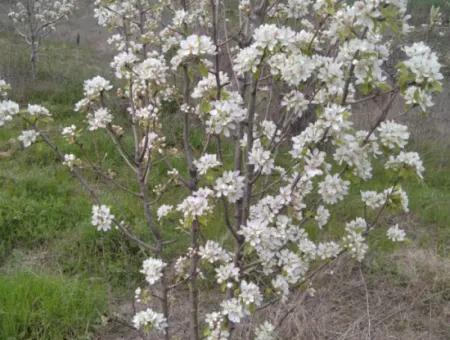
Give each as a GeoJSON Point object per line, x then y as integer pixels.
{"type": "Point", "coordinates": [193, 46]}
{"type": "Point", "coordinates": [423, 63]}
{"type": "Point", "coordinates": [70, 160]}
{"type": "Point", "coordinates": [206, 162]}
{"type": "Point", "coordinates": [4, 88]}
{"type": "Point", "coordinates": [261, 158]}
{"type": "Point", "coordinates": [373, 199]}
{"type": "Point", "coordinates": [102, 217]}
{"type": "Point", "coordinates": [322, 216]}
{"type": "Point", "coordinates": [99, 119]}
{"type": "Point", "coordinates": [163, 211]}
{"type": "Point", "coordinates": [37, 110]}
{"type": "Point", "coordinates": [213, 252]}
{"type": "Point", "coordinates": [197, 204]}
{"type": "Point", "coordinates": [153, 270]}
{"type": "Point", "coordinates": [406, 159]}
{"type": "Point", "coordinates": [28, 137]}
{"type": "Point", "coordinates": [265, 331]}
{"type": "Point", "coordinates": [8, 109]}
{"type": "Point", "coordinates": [227, 272]}
{"type": "Point", "coordinates": [225, 116]}
{"type": "Point", "coordinates": [230, 186]}
{"type": "Point", "coordinates": [234, 310]}
{"type": "Point", "coordinates": [209, 83]}
{"type": "Point", "coordinates": [393, 135]}
{"type": "Point", "coordinates": [417, 96]}
{"type": "Point", "coordinates": [328, 250]}
{"type": "Point", "coordinates": [250, 294]}
{"type": "Point", "coordinates": [95, 87]}
{"type": "Point", "coordinates": [395, 234]}
{"type": "Point", "coordinates": [69, 131]}
{"type": "Point", "coordinates": [333, 189]}
{"type": "Point", "coordinates": [149, 320]}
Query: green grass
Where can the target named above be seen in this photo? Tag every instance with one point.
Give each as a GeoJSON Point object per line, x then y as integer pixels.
{"type": "Point", "coordinates": [47, 307]}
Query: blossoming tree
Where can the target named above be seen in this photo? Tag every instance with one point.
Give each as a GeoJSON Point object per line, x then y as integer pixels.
{"type": "Point", "coordinates": [241, 76]}
{"type": "Point", "coordinates": [35, 19]}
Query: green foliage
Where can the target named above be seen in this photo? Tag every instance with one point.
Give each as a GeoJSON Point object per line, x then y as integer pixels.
{"type": "Point", "coordinates": [46, 307]}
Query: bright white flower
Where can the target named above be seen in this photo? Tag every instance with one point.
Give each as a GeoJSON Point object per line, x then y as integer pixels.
{"type": "Point", "coordinates": [234, 310]}
{"type": "Point", "coordinates": [215, 322]}
{"type": "Point", "coordinates": [322, 216]}
{"type": "Point", "coordinates": [373, 199]}
{"type": "Point", "coordinates": [334, 118]}
{"type": "Point", "coordinates": [95, 87]}
{"type": "Point", "coordinates": [102, 217]}
{"type": "Point", "coordinates": [295, 100]}
{"type": "Point", "coordinates": [208, 84]}
{"type": "Point", "coordinates": [153, 270]}
{"type": "Point", "coordinates": [8, 109]}
{"type": "Point", "coordinates": [153, 69]}
{"type": "Point", "coordinates": [100, 119]}
{"type": "Point", "coordinates": [248, 59]}
{"type": "Point", "coordinates": [163, 211]}
{"type": "Point", "coordinates": [122, 63]}
{"type": "Point", "coordinates": [261, 158]}
{"type": "Point", "coordinates": [270, 130]}
{"type": "Point", "coordinates": [265, 331]}
{"type": "Point", "coordinates": [206, 162]}
{"type": "Point", "coordinates": [150, 320]}
{"type": "Point", "coordinates": [328, 250]}
{"type": "Point", "coordinates": [70, 160]}
{"type": "Point", "coordinates": [294, 268]}
{"type": "Point", "coordinates": [28, 137]}
{"type": "Point", "coordinates": [69, 131]}
{"type": "Point", "coordinates": [148, 143]}
{"type": "Point", "coordinates": [333, 189]}
{"type": "Point", "coordinates": [355, 243]}
{"type": "Point", "coordinates": [213, 252]}
{"type": "Point", "coordinates": [253, 232]}
{"type": "Point", "coordinates": [295, 69]}
{"type": "Point", "coordinates": [423, 63]}
{"type": "Point", "coordinates": [395, 234]}
{"type": "Point", "coordinates": [225, 116]}
{"type": "Point", "coordinates": [230, 186]}
{"type": "Point", "coordinates": [4, 88]}
{"type": "Point", "coordinates": [281, 285]}
{"type": "Point", "coordinates": [416, 96]}
{"type": "Point", "coordinates": [406, 159]}
{"type": "Point", "coordinates": [197, 204]}
{"type": "Point", "coordinates": [393, 135]}
{"type": "Point", "coordinates": [357, 225]}
{"type": "Point", "coordinates": [37, 110]}
{"type": "Point", "coordinates": [227, 272]}
{"type": "Point", "coordinates": [193, 46]}
{"type": "Point", "coordinates": [250, 294]}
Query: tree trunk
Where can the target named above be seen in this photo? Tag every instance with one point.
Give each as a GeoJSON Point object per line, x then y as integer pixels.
{"type": "Point", "coordinates": [34, 59]}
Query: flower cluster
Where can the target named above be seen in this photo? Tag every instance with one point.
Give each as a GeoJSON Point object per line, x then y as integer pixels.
{"type": "Point", "coordinates": [395, 234]}
{"type": "Point", "coordinates": [149, 320]}
{"type": "Point", "coordinates": [225, 115]}
{"type": "Point", "coordinates": [152, 269]}
{"type": "Point", "coordinates": [206, 162]}
{"type": "Point", "coordinates": [28, 137]}
{"type": "Point", "coordinates": [102, 217]}
{"type": "Point", "coordinates": [193, 46]}
{"type": "Point", "coordinates": [99, 119]}
{"type": "Point", "coordinates": [230, 186]}
{"type": "Point", "coordinates": [8, 109]}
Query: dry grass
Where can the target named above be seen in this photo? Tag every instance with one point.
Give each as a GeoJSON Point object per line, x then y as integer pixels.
{"type": "Point", "coordinates": [406, 297]}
